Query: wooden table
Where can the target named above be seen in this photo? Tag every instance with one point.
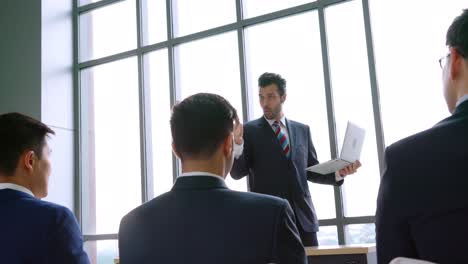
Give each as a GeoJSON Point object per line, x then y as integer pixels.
{"type": "Point", "coordinates": [349, 254]}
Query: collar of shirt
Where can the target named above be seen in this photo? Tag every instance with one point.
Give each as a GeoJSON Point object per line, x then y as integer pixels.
{"type": "Point", "coordinates": [271, 121]}
{"type": "Point", "coordinates": [462, 99]}
{"type": "Point", "coordinates": [15, 187]}
{"type": "Point", "coordinates": [200, 173]}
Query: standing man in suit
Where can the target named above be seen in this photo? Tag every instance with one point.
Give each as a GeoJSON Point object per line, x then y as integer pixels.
{"type": "Point", "coordinates": [200, 220]}
{"type": "Point", "coordinates": [274, 152]}
{"type": "Point", "coordinates": [31, 230]}
{"type": "Point", "coordinates": [422, 206]}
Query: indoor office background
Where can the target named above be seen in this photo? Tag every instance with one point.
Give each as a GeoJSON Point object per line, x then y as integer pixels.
{"type": "Point", "coordinates": [104, 74]}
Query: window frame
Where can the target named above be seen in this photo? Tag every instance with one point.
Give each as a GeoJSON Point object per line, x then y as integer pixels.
{"type": "Point", "coordinates": [248, 97]}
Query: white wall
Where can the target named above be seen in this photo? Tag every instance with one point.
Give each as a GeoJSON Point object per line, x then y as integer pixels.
{"type": "Point", "coordinates": [36, 78]}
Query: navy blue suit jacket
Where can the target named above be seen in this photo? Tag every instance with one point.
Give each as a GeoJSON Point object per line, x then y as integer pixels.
{"type": "Point", "coordinates": [35, 231]}
{"type": "Point", "coordinates": [422, 206]}
{"type": "Point", "coordinates": [271, 172]}
{"type": "Point", "coordinates": [201, 221]}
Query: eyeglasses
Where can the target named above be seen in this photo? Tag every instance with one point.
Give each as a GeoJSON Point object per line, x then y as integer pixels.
{"type": "Point", "coordinates": [443, 60]}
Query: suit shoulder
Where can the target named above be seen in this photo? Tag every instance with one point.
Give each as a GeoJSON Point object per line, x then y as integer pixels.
{"type": "Point", "coordinates": [253, 123]}
{"type": "Point", "coordinates": [145, 208]}
{"type": "Point", "coordinates": [297, 124]}
{"type": "Point", "coordinates": [258, 199]}
{"type": "Point", "coordinates": [52, 207]}
{"type": "Point", "coordinates": [416, 141]}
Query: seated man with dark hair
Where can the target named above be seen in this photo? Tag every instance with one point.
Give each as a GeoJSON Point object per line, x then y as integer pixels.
{"type": "Point", "coordinates": [31, 230]}
{"type": "Point", "coordinates": [422, 207]}
{"type": "Point", "coordinates": [200, 220]}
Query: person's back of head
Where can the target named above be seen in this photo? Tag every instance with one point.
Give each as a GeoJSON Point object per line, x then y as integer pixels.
{"type": "Point", "coordinates": [202, 138]}
{"type": "Point", "coordinates": [455, 75]}
{"type": "Point", "coordinates": [24, 155]}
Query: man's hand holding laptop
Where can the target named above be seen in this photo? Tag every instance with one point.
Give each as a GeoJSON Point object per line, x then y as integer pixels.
{"type": "Point", "coordinates": [350, 169]}
{"type": "Point", "coordinates": [348, 161]}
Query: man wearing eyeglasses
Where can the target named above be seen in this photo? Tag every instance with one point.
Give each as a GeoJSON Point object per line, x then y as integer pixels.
{"type": "Point", "coordinates": [422, 206]}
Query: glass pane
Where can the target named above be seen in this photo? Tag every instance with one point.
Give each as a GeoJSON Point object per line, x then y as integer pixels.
{"type": "Point", "coordinates": [327, 236]}
{"type": "Point", "coordinates": [410, 80]}
{"type": "Point", "coordinates": [352, 101]}
{"type": "Point", "coordinates": [212, 65]}
{"type": "Point", "coordinates": [102, 251]}
{"type": "Point", "coordinates": [108, 30]}
{"type": "Point", "coordinates": [154, 21]}
{"type": "Point", "coordinates": [360, 234]}
{"type": "Point", "coordinates": [255, 8]}
{"type": "Point", "coordinates": [193, 16]}
{"type": "Point", "coordinates": [297, 56]}
{"type": "Point", "coordinates": [111, 145]}
{"type": "Point", "coordinates": [158, 82]}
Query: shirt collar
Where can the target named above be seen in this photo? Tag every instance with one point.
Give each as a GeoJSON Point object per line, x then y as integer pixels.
{"type": "Point", "coordinates": [200, 173]}
{"type": "Point", "coordinates": [462, 99]}
{"type": "Point", "coordinates": [15, 187]}
{"type": "Point", "coordinates": [271, 121]}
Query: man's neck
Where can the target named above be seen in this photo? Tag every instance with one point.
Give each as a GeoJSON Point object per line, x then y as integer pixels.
{"type": "Point", "coordinates": [204, 166]}
{"type": "Point", "coordinates": [15, 180]}
{"type": "Point", "coordinates": [280, 116]}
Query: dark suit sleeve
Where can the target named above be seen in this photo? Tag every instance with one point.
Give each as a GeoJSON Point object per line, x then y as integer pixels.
{"type": "Point", "coordinates": [66, 241]}
{"type": "Point", "coordinates": [289, 247]}
{"type": "Point", "coordinates": [312, 160]}
{"type": "Point", "coordinates": [392, 231]}
{"type": "Point", "coordinates": [241, 166]}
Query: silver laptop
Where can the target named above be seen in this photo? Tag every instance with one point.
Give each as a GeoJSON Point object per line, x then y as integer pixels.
{"type": "Point", "coordinates": [350, 152]}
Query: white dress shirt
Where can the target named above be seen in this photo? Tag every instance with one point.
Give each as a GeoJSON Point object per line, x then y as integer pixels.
{"type": "Point", "coordinates": [239, 148]}
{"type": "Point", "coordinates": [15, 187]}
{"type": "Point", "coordinates": [200, 173]}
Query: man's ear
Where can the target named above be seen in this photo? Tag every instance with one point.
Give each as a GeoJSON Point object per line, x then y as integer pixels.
{"type": "Point", "coordinates": [456, 63]}
{"type": "Point", "coordinates": [228, 145]}
{"type": "Point", "coordinates": [27, 160]}
{"type": "Point", "coordinates": [283, 98]}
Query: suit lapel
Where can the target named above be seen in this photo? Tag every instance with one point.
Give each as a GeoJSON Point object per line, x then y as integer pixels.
{"type": "Point", "coordinates": [292, 137]}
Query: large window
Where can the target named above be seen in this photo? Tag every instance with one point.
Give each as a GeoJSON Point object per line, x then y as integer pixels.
{"type": "Point", "coordinates": [111, 145]}
{"type": "Point", "coordinates": [136, 58]}
{"type": "Point", "coordinates": [407, 53]}
{"type": "Point", "coordinates": [352, 100]}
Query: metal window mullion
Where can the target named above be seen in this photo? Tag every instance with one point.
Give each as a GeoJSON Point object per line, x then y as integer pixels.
{"type": "Point", "coordinates": [379, 134]}
{"type": "Point", "coordinates": [331, 121]}
{"type": "Point", "coordinates": [93, 6]}
{"type": "Point", "coordinates": [145, 116]}
{"type": "Point", "coordinates": [77, 116]}
{"type": "Point", "coordinates": [113, 236]}
{"type": "Point", "coordinates": [172, 83]}
{"type": "Point", "coordinates": [242, 69]}
{"type": "Point", "coordinates": [108, 59]}
{"type": "Point", "coordinates": [359, 220]}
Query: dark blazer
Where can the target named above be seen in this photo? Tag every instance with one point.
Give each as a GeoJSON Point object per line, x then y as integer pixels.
{"type": "Point", "coordinates": [422, 206]}
{"type": "Point", "coordinates": [270, 172]}
{"type": "Point", "coordinates": [201, 221]}
{"type": "Point", "coordinates": [35, 231]}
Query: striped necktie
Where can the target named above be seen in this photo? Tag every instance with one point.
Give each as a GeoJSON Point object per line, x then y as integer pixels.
{"type": "Point", "coordinates": [282, 138]}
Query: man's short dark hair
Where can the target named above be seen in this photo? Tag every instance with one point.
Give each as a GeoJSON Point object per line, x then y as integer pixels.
{"type": "Point", "coordinates": [19, 133]}
{"type": "Point", "coordinates": [200, 123]}
{"type": "Point", "coordinates": [457, 34]}
{"type": "Point", "coordinates": [272, 78]}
